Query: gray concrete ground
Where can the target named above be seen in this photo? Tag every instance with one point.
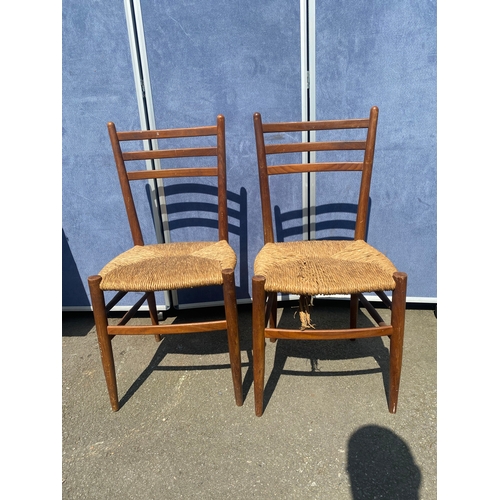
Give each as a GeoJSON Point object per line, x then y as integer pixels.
{"type": "Point", "coordinates": [326, 432]}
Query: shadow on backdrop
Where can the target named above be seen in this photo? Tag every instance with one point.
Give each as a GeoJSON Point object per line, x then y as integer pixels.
{"type": "Point", "coordinates": [380, 465]}
{"type": "Point", "coordinates": [333, 221]}
{"type": "Point", "coordinates": [191, 214]}
{"type": "Point", "coordinates": [73, 290]}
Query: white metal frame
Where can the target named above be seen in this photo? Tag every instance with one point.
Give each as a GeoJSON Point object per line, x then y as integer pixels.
{"type": "Point", "coordinates": [308, 97]}
{"type": "Point", "coordinates": [140, 68]}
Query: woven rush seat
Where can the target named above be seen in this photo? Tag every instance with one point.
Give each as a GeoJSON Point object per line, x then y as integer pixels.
{"type": "Point", "coordinates": [324, 267]}
{"type": "Point", "coordinates": [168, 266]}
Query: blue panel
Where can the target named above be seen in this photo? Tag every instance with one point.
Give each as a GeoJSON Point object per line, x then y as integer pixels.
{"type": "Point", "coordinates": [233, 58]}
{"type": "Point", "coordinates": [98, 86]}
{"type": "Point", "coordinates": [383, 53]}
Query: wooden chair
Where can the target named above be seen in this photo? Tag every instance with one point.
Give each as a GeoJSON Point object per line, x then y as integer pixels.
{"type": "Point", "coordinates": [322, 267]}
{"type": "Point", "coordinates": [169, 266]}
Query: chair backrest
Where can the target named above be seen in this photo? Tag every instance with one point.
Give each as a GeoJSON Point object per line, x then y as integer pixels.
{"type": "Point", "coordinates": [366, 144]}
{"type": "Point", "coordinates": [169, 146]}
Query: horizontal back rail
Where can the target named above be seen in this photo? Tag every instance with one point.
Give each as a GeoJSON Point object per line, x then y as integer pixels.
{"type": "Point", "coordinates": [315, 167]}
{"type": "Point", "coordinates": [172, 173]}
{"type": "Point", "coordinates": [141, 135]}
{"type": "Point", "coordinates": [299, 147]}
{"type": "Point", "coordinates": [318, 125]}
{"type": "Point", "coordinates": [157, 154]}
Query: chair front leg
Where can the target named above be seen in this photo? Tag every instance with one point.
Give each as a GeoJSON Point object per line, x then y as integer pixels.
{"type": "Point", "coordinates": [397, 336]}
{"type": "Point", "coordinates": [101, 323]}
{"type": "Point", "coordinates": [259, 341]}
{"type": "Point", "coordinates": [233, 338]}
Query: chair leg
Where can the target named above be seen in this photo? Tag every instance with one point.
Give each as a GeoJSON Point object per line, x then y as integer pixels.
{"type": "Point", "coordinates": [259, 341]}
{"type": "Point", "coordinates": [354, 310]}
{"type": "Point", "coordinates": [101, 323]}
{"type": "Point", "coordinates": [153, 312]}
{"type": "Point", "coordinates": [273, 316]}
{"type": "Point", "coordinates": [396, 342]}
{"type": "Point", "coordinates": [233, 338]}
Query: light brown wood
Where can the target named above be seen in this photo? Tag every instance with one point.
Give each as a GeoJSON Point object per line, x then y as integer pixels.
{"type": "Point", "coordinates": [207, 326]}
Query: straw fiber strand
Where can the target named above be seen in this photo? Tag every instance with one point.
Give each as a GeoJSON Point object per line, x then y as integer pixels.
{"type": "Point", "coordinates": [324, 267]}
{"type": "Point", "coordinates": [168, 266]}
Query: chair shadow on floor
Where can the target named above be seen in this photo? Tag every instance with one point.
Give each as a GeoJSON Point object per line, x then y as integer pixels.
{"type": "Point", "coordinates": [335, 312]}
{"type": "Point", "coordinates": [202, 344]}
{"type": "Point", "coordinates": [327, 314]}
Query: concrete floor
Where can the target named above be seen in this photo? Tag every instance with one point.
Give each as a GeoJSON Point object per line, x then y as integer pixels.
{"type": "Point", "coordinates": [326, 432]}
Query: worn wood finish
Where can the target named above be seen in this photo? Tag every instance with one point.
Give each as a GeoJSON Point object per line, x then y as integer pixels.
{"type": "Point", "coordinates": [264, 304]}
{"type": "Point", "coordinates": [106, 332]}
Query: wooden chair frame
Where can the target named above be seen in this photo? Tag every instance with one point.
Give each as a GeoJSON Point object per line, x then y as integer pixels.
{"type": "Point", "coordinates": [264, 309]}
{"type": "Point", "coordinates": [101, 309]}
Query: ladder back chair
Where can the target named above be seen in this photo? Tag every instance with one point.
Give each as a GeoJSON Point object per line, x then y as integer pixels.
{"type": "Point", "coordinates": [149, 268]}
{"type": "Point", "coordinates": [322, 267]}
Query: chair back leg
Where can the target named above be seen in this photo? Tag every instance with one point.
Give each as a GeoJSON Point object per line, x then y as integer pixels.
{"type": "Point", "coordinates": [232, 332]}
{"type": "Point", "coordinates": [153, 312]}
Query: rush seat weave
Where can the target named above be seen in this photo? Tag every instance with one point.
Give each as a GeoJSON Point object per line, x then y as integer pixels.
{"type": "Point", "coordinates": [324, 267]}
{"type": "Point", "coordinates": [168, 266]}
